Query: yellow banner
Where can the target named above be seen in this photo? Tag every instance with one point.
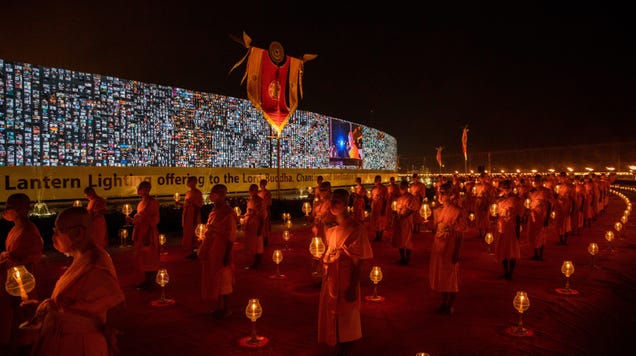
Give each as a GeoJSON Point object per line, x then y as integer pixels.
{"type": "Point", "coordinates": [68, 183]}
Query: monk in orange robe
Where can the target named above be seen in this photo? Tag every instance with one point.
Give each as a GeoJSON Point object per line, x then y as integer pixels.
{"type": "Point", "coordinates": [23, 246]}
{"type": "Point", "coordinates": [76, 319]}
{"type": "Point", "coordinates": [406, 209]}
{"type": "Point", "coordinates": [145, 236]}
{"type": "Point", "coordinates": [191, 216]}
{"type": "Point", "coordinates": [97, 208]}
{"type": "Point", "coordinates": [348, 247]}
{"type": "Point", "coordinates": [215, 253]}
{"type": "Point", "coordinates": [254, 245]}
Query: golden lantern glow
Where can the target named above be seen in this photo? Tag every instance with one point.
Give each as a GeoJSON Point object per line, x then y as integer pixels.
{"type": "Point", "coordinates": [306, 208]}
{"type": "Point", "coordinates": [277, 257]}
{"type": "Point", "coordinates": [425, 211]}
{"type": "Point", "coordinates": [376, 276]}
{"type": "Point", "coordinates": [526, 203]}
{"type": "Point", "coordinates": [286, 235]}
{"type": "Point", "coordinates": [123, 236]}
{"type": "Point", "coordinates": [288, 224]}
{"type": "Point", "coordinates": [521, 303]}
{"type": "Point", "coordinates": [162, 277]}
{"type": "Point", "coordinates": [609, 236]}
{"type": "Point", "coordinates": [394, 205]}
{"type": "Point", "coordinates": [493, 210]}
{"type": "Point", "coordinates": [316, 247]}
{"type": "Point", "coordinates": [253, 311]}
{"type": "Point", "coordinates": [553, 215]}
{"type": "Point", "coordinates": [488, 238]}
{"type": "Point", "coordinates": [624, 219]}
{"type": "Point", "coordinates": [77, 203]}
{"type": "Point", "coordinates": [177, 197]}
{"type": "Point", "coordinates": [126, 209]}
{"type": "Point", "coordinates": [242, 221]}
{"type": "Point", "coordinates": [200, 231]}
{"type": "Point", "coordinates": [162, 239]}
{"type": "Point", "coordinates": [592, 248]}
{"type": "Point", "coordinates": [471, 216]}
{"type": "Point", "coordinates": [237, 210]}
{"type": "Point", "coordinates": [618, 226]}
{"type": "Point", "coordinates": [19, 282]}
{"type": "Point", "coordinates": [567, 268]}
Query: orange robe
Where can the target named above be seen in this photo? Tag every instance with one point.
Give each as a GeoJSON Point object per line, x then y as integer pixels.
{"type": "Point", "coordinates": [76, 313]}
{"type": "Point", "coordinates": [217, 277]}
{"type": "Point", "coordinates": [540, 205]}
{"type": "Point", "coordinates": [338, 319]}
{"type": "Point", "coordinates": [191, 217]}
{"type": "Point", "coordinates": [359, 203]}
{"type": "Point", "coordinates": [266, 195]}
{"type": "Point", "coordinates": [322, 216]}
{"type": "Point", "coordinates": [254, 225]}
{"type": "Point", "coordinates": [450, 224]}
{"type": "Point", "coordinates": [379, 202]}
{"type": "Point", "coordinates": [146, 235]}
{"type": "Point", "coordinates": [97, 208]}
{"type": "Point", "coordinates": [509, 210]}
{"type": "Point", "coordinates": [407, 207]}
{"type": "Point", "coordinates": [23, 246]}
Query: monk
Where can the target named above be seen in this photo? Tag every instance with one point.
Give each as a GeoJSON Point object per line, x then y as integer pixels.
{"type": "Point", "coordinates": [145, 236]}
{"type": "Point", "coordinates": [76, 319]}
{"type": "Point", "coordinates": [23, 246]}
{"type": "Point", "coordinates": [406, 209]}
{"type": "Point", "coordinates": [348, 247]}
{"type": "Point", "coordinates": [254, 227]}
{"type": "Point", "coordinates": [97, 208]}
{"type": "Point", "coordinates": [266, 195]}
{"type": "Point", "coordinates": [215, 253]}
{"type": "Point", "coordinates": [379, 202]}
{"type": "Point", "coordinates": [191, 216]}
{"type": "Point", "coordinates": [450, 224]}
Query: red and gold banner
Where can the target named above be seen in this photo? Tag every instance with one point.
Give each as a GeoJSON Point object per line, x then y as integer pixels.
{"type": "Point", "coordinates": [274, 81]}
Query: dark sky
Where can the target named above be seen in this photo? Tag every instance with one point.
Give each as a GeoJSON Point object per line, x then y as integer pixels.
{"type": "Point", "coordinates": [519, 75]}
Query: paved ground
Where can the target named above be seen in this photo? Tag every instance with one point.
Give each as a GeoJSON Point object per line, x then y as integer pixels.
{"type": "Point", "coordinates": [597, 321]}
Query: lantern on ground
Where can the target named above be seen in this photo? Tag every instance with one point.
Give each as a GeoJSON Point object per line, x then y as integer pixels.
{"type": "Point", "coordinates": [277, 257]}
{"type": "Point", "coordinates": [286, 238]}
{"type": "Point", "coordinates": [288, 224]}
{"type": "Point", "coordinates": [618, 226]}
{"type": "Point", "coordinates": [253, 311]}
{"type": "Point", "coordinates": [162, 243]}
{"type": "Point", "coordinates": [376, 276]}
{"type": "Point", "coordinates": [488, 238]}
{"type": "Point", "coordinates": [127, 210]}
{"type": "Point", "coordinates": [521, 303]}
{"type": "Point", "coordinates": [609, 237]}
{"type": "Point", "coordinates": [592, 249]}
{"type": "Point", "coordinates": [123, 236]}
{"type": "Point", "coordinates": [162, 278]}
{"type": "Point", "coordinates": [493, 210]}
{"type": "Point", "coordinates": [19, 282]}
{"type": "Point", "coordinates": [77, 203]}
{"type": "Point", "coordinates": [425, 212]}
{"type": "Point", "coordinates": [567, 268]}
{"type": "Point", "coordinates": [624, 219]}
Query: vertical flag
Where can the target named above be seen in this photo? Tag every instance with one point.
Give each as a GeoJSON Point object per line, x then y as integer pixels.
{"type": "Point", "coordinates": [274, 80]}
{"type": "Point", "coordinates": [465, 142]}
{"type": "Point", "coordinates": [439, 155]}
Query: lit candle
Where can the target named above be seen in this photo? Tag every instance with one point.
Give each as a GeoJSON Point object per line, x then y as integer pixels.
{"type": "Point", "coordinates": [18, 279]}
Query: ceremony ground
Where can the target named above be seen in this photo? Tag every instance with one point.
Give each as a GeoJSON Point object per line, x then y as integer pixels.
{"type": "Point", "coordinates": [599, 320]}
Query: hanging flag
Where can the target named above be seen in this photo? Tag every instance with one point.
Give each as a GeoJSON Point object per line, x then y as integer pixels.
{"type": "Point", "coordinates": [439, 155]}
{"type": "Point", "coordinates": [465, 142]}
{"type": "Point", "coordinates": [274, 80]}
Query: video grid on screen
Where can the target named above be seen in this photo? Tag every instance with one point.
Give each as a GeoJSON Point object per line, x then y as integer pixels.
{"type": "Point", "coordinates": [59, 117]}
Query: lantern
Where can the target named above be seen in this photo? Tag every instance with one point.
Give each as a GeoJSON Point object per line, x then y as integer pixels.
{"type": "Point", "coordinates": [488, 238]}
{"type": "Point", "coordinates": [123, 235]}
{"type": "Point", "coordinates": [19, 282]}
{"type": "Point", "coordinates": [567, 268]}
{"type": "Point", "coordinates": [77, 203]}
{"type": "Point", "coordinates": [609, 237]}
{"type": "Point", "coordinates": [306, 208]}
{"type": "Point", "coordinates": [425, 211]}
{"type": "Point", "coordinates": [394, 206]}
{"type": "Point", "coordinates": [162, 278]}
{"type": "Point", "coordinates": [288, 224]}
{"type": "Point", "coordinates": [471, 216]}
{"type": "Point", "coordinates": [317, 249]}
{"type": "Point", "coordinates": [376, 276]}
{"type": "Point", "coordinates": [162, 243]}
{"type": "Point", "coordinates": [618, 226]}
{"type": "Point", "coordinates": [237, 210]}
{"type": "Point", "coordinates": [176, 197]}
{"type": "Point", "coordinates": [277, 257]}
{"type": "Point", "coordinates": [521, 303]}
{"type": "Point", "coordinates": [592, 249]}
{"type": "Point", "coordinates": [126, 209]}
{"type": "Point", "coordinates": [199, 231]}
{"type": "Point", "coordinates": [526, 203]}
{"type": "Point", "coordinates": [493, 210]}
{"type": "Point", "coordinates": [286, 238]}
{"type": "Point", "coordinates": [253, 311]}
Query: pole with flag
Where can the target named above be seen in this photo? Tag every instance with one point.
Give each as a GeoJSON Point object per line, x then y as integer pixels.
{"type": "Point", "coordinates": [274, 85]}
{"type": "Point", "coordinates": [438, 156]}
{"type": "Point", "coordinates": [465, 147]}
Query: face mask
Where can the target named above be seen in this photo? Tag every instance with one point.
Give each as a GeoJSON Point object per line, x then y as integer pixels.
{"type": "Point", "coordinates": [62, 243]}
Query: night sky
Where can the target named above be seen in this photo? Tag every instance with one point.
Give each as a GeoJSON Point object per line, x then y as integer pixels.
{"type": "Point", "coordinates": [520, 76]}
